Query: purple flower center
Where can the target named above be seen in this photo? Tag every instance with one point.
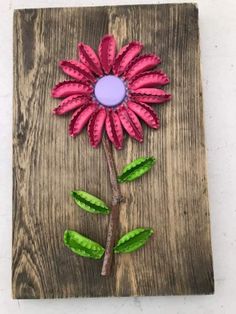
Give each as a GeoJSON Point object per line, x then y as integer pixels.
{"type": "Point", "coordinates": [110, 90]}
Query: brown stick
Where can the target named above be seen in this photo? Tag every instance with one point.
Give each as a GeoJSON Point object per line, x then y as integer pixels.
{"type": "Point", "coordinates": [114, 215]}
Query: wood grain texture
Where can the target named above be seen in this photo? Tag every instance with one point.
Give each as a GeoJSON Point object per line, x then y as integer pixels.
{"type": "Point", "coordinates": [172, 198]}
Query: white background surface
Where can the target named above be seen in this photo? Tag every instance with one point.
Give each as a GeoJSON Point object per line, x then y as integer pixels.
{"type": "Point", "coordinates": [218, 46]}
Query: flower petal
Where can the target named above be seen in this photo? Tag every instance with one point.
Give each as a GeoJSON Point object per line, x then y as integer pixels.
{"type": "Point", "coordinates": [125, 56]}
{"type": "Point", "coordinates": [146, 113]}
{"type": "Point", "coordinates": [141, 64]}
{"type": "Point", "coordinates": [89, 58]}
{"type": "Point", "coordinates": [131, 123]}
{"type": "Point", "coordinates": [77, 70]}
{"type": "Point", "coordinates": [80, 118]}
{"type": "Point", "coordinates": [150, 95]}
{"type": "Point", "coordinates": [71, 103]}
{"type": "Point", "coordinates": [95, 126]}
{"type": "Point", "coordinates": [149, 79]}
{"type": "Point", "coordinates": [114, 129]}
{"type": "Point", "coordinates": [106, 52]}
{"type": "Point", "coordinates": [68, 88]}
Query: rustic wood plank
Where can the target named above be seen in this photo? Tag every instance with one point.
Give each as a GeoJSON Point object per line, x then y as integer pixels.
{"type": "Point", "coordinates": [172, 198]}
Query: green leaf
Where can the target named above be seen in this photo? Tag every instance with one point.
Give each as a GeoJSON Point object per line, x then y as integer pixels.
{"type": "Point", "coordinates": [89, 202]}
{"type": "Point", "coordinates": [133, 240]}
{"type": "Point", "coordinates": [136, 169]}
{"type": "Point", "coordinates": [82, 246]}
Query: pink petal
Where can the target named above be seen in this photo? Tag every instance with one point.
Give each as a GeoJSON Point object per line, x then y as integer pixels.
{"type": "Point", "coordinates": [95, 127]}
{"type": "Point", "coordinates": [77, 70]}
{"type": "Point", "coordinates": [141, 64]}
{"type": "Point", "coordinates": [80, 118]}
{"type": "Point", "coordinates": [131, 123]}
{"type": "Point", "coordinates": [125, 56]}
{"type": "Point", "coordinates": [71, 103]}
{"type": "Point", "coordinates": [150, 95]}
{"type": "Point", "coordinates": [68, 88]}
{"type": "Point", "coordinates": [146, 113]}
{"type": "Point", "coordinates": [106, 52]}
{"type": "Point", "coordinates": [114, 129]}
{"type": "Point", "coordinates": [149, 79]}
{"type": "Point", "coordinates": [89, 58]}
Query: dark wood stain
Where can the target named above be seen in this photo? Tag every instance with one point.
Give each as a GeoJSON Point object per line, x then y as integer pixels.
{"type": "Point", "coordinates": [47, 163]}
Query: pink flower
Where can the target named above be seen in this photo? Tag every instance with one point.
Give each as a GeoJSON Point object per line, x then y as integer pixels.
{"type": "Point", "coordinates": [111, 91]}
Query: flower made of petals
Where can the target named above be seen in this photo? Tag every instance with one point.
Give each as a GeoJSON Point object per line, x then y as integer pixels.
{"type": "Point", "coordinates": [111, 91]}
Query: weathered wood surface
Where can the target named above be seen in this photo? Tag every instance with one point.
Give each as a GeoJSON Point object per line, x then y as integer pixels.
{"type": "Point", "coordinates": [172, 198]}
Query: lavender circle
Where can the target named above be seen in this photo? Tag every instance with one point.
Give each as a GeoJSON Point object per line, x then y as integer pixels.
{"type": "Point", "coordinates": [110, 90]}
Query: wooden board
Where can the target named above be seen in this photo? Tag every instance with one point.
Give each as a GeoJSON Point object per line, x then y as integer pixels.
{"type": "Point", "coordinates": [172, 198]}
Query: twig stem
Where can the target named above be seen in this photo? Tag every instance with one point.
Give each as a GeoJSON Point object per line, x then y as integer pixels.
{"type": "Point", "coordinates": [114, 215]}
